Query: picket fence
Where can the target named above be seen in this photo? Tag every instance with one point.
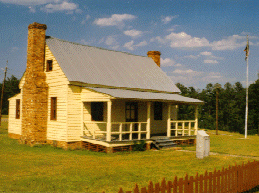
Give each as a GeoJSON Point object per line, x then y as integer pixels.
{"type": "Point", "coordinates": [238, 178]}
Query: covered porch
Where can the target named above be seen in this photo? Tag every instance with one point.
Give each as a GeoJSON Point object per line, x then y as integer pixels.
{"type": "Point", "coordinates": [125, 120]}
{"type": "Point", "coordinates": [130, 116]}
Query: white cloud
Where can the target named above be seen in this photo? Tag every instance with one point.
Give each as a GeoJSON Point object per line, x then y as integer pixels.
{"type": "Point", "coordinates": [32, 9]}
{"type": "Point", "coordinates": [29, 2]}
{"type": "Point", "coordinates": [189, 77]}
{"type": "Point", "coordinates": [46, 5]}
{"type": "Point", "coordinates": [86, 19]}
{"type": "Point", "coordinates": [192, 56]}
{"type": "Point", "coordinates": [213, 77]}
{"type": "Point", "coordinates": [114, 20]}
{"type": "Point", "coordinates": [167, 19]}
{"type": "Point", "coordinates": [206, 53]}
{"type": "Point", "coordinates": [167, 62]}
{"type": "Point", "coordinates": [143, 43]}
{"type": "Point", "coordinates": [184, 40]}
{"type": "Point", "coordinates": [129, 45]}
{"type": "Point", "coordinates": [159, 39]}
{"type": "Point", "coordinates": [64, 6]}
{"type": "Point", "coordinates": [230, 43]}
{"type": "Point", "coordinates": [210, 61]}
{"type": "Point", "coordinates": [173, 28]}
{"type": "Point", "coordinates": [83, 41]}
{"type": "Point", "coordinates": [188, 72]}
{"type": "Point", "coordinates": [209, 56]}
{"type": "Point", "coordinates": [110, 40]}
{"type": "Point", "coordinates": [133, 33]}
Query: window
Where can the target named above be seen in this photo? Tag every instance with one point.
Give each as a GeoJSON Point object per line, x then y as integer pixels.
{"type": "Point", "coordinates": [17, 109]}
{"type": "Point", "coordinates": [97, 111]}
{"type": "Point", "coordinates": [131, 112]}
{"type": "Point", "coordinates": [158, 111]}
{"type": "Point", "coordinates": [53, 115]}
{"type": "Point", "coordinates": [49, 66]}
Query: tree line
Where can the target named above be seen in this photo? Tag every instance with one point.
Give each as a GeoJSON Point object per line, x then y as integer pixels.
{"type": "Point", "coordinates": [232, 102]}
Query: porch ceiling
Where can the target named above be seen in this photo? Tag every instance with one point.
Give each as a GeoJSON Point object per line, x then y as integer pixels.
{"type": "Point", "coordinates": [131, 94]}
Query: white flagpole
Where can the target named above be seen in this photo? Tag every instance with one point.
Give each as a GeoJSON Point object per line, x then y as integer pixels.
{"type": "Point", "coordinates": [246, 98]}
{"type": "Point", "coordinates": [246, 116]}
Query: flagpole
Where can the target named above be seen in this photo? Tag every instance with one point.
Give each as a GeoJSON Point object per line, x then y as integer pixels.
{"type": "Point", "coordinates": [246, 98]}
{"type": "Point", "coordinates": [246, 116]}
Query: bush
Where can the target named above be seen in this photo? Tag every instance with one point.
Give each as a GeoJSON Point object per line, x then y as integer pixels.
{"type": "Point", "coordinates": [139, 145]}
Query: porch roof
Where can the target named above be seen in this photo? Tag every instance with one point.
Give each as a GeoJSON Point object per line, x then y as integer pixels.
{"type": "Point", "coordinates": [132, 94]}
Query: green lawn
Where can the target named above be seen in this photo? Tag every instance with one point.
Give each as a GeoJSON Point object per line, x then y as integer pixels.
{"type": "Point", "coordinates": [49, 169]}
{"type": "Point", "coordinates": [232, 143]}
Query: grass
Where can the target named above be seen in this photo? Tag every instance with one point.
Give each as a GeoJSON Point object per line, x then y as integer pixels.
{"type": "Point", "coordinates": [232, 143]}
{"type": "Point", "coordinates": [47, 169]}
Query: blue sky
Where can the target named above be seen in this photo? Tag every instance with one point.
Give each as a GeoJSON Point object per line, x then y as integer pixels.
{"type": "Point", "coordinates": [201, 41]}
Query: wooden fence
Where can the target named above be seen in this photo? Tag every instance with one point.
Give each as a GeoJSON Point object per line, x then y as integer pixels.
{"type": "Point", "coordinates": [238, 178]}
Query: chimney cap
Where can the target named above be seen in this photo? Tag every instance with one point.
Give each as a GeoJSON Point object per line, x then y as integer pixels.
{"type": "Point", "coordinates": [153, 53]}
{"type": "Point", "coordinates": [37, 25]}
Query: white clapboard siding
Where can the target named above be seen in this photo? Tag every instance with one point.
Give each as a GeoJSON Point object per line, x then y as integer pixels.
{"type": "Point", "coordinates": [14, 125]}
{"type": "Point", "coordinates": [76, 96]}
{"type": "Point", "coordinates": [88, 95]}
{"type": "Point", "coordinates": [74, 113]}
{"type": "Point", "coordinates": [57, 83]}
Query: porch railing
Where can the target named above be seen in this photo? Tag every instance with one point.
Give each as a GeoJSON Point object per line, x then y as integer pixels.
{"type": "Point", "coordinates": [183, 127]}
{"type": "Point", "coordinates": [120, 131]}
{"type": "Point", "coordinates": [129, 130]}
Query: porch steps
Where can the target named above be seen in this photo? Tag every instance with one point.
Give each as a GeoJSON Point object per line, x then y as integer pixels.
{"type": "Point", "coordinates": [163, 142]}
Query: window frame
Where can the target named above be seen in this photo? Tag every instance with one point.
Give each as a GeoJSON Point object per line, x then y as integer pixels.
{"type": "Point", "coordinates": [18, 109]}
{"type": "Point", "coordinates": [49, 66]}
{"type": "Point", "coordinates": [158, 111]}
{"type": "Point", "coordinates": [53, 109]}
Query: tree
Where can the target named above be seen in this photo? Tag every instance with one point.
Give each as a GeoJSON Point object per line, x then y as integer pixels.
{"type": "Point", "coordinates": [11, 88]}
{"type": "Point", "coordinates": [253, 108]}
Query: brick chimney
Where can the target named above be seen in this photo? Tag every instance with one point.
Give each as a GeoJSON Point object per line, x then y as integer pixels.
{"type": "Point", "coordinates": [35, 88]}
{"type": "Point", "coordinates": [155, 55]}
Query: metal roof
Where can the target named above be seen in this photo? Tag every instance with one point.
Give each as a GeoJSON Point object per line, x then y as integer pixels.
{"type": "Point", "coordinates": [99, 66]}
{"type": "Point", "coordinates": [130, 94]}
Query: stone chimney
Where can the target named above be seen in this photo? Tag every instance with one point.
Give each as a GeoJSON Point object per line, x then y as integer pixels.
{"type": "Point", "coordinates": [35, 89]}
{"type": "Point", "coordinates": [155, 55]}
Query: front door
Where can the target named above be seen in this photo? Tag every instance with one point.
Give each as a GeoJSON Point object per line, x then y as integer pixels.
{"type": "Point", "coordinates": [131, 112]}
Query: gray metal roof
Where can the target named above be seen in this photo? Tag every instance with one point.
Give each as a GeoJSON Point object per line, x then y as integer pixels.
{"type": "Point", "coordinates": [99, 66]}
{"type": "Point", "coordinates": [130, 94]}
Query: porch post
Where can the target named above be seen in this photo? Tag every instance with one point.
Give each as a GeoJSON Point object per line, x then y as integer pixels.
{"type": "Point", "coordinates": [109, 115]}
{"type": "Point", "coordinates": [169, 120]}
{"type": "Point", "coordinates": [82, 118]}
{"type": "Point", "coordinates": [148, 119]}
{"type": "Point", "coordinates": [196, 120]}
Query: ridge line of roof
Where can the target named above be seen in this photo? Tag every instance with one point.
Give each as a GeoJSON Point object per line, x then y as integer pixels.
{"type": "Point", "coordinates": [51, 37]}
